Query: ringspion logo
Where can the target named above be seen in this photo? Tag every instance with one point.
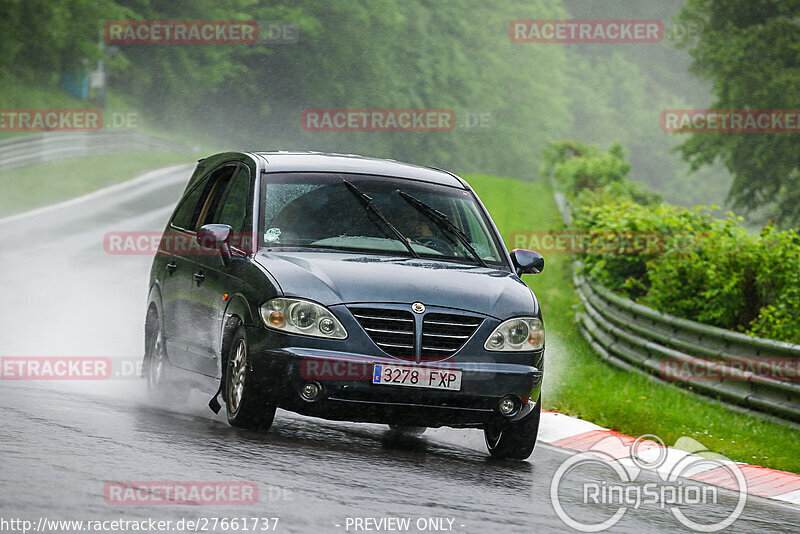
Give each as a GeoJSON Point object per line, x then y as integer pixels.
{"type": "Point", "coordinates": [608, 475]}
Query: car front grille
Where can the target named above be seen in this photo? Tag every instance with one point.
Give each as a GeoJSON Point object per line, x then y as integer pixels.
{"type": "Point", "coordinates": [443, 334]}
{"type": "Point", "coordinates": [391, 330]}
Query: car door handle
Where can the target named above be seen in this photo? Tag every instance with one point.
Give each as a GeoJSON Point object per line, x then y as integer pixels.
{"type": "Point", "coordinates": [199, 277]}
{"type": "Point", "coordinates": [172, 267]}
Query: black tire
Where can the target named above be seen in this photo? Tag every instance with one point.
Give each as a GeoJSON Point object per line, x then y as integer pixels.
{"type": "Point", "coordinates": [514, 441]}
{"type": "Point", "coordinates": [157, 369]}
{"type": "Point", "coordinates": [408, 430]}
{"type": "Point", "coordinates": [245, 405]}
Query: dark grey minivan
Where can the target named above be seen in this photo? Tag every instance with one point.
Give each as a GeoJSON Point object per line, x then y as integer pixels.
{"type": "Point", "coordinates": [346, 288]}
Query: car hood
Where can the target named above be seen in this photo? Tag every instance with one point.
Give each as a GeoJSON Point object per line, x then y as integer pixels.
{"type": "Point", "coordinates": [332, 278]}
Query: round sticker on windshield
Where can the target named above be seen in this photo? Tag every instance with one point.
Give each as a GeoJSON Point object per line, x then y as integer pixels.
{"type": "Point", "coordinates": [272, 235]}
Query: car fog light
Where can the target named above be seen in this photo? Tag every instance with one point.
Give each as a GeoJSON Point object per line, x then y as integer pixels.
{"type": "Point", "coordinates": [508, 405]}
{"type": "Point", "coordinates": [311, 391]}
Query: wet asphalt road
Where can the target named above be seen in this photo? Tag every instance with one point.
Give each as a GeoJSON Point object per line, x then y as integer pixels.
{"type": "Point", "coordinates": [62, 442]}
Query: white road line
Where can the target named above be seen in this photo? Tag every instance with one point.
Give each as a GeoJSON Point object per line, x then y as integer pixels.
{"type": "Point", "coordinates": [146, 177]}
{"type": "Point", "coordinates": [556, 426]}
{"type": "Point", "coordinates": [793, 497]}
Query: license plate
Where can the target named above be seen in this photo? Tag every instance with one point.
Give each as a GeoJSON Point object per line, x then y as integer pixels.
{"type": "Point", "coordinates": [417, 377]}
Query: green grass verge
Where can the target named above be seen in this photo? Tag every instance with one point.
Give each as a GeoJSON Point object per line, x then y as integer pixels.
{"type": "Point", "coordinates": [578, 382]}
{"type": "Point", "coordinates": [37, 185]}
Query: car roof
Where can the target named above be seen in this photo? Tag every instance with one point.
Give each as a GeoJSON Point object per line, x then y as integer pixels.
{"type": "Point", "coordinates": [351, 163]}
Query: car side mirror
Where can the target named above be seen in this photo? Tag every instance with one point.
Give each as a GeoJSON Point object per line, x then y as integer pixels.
{"type": "Point", "coordinates": [527, 261]}
{"type": "Point", "coordinates": [216, 237]}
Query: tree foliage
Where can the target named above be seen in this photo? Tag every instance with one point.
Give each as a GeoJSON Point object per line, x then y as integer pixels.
{"type": "Point", "coordinates": [751, 53]}
{"type": "Point", "coordinates": [685, 262]}
{"type": "Point", "coordinates": [352, 53]}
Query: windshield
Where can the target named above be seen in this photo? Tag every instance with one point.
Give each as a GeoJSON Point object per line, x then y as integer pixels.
{"type": "Point", "coordinates": [319, 210]}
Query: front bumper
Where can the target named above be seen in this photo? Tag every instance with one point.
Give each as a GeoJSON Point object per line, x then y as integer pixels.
{"type": "Point", "coordinates": [349, 394]}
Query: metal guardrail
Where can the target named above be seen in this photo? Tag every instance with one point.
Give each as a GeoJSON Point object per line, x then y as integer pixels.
{"type": "Point", "coordinates": [635, 336]}
{"type": "Point", "coordinates": [48, 146]}
{"type": "Point", "coordinates": [562, 202]}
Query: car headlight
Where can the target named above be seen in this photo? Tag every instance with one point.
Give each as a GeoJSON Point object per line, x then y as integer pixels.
{"type": "Point", "coordinates": [517, 334]}
{"type": "Point", "coordinates": [300, 316]}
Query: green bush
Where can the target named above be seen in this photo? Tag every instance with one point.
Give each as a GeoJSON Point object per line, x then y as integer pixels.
{"type": "Point", "coordinates": [681, 261]}
{"type": "Point", "coordinates": [558, 152]}
{"type": "Point", "coordinates": [661, 228]}
{"type": "Point", "coordinates": [778, 283]}
{"type": "Point", "coordinates": [733, 280]}
{"type": "Point", "coordinates": [710, 277]}
{"type": "Point", "coordinates": [590, 176]}
{"type": "Point", "coordinates": [701, 267]}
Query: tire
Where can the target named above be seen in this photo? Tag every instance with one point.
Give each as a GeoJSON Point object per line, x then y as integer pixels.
{"type": "Point", "coordinates": [158, 369]}
{"type": "Point", "coordinates": [245, 405]}
{"type": "Point", "coordinates": [516, 440]}
{"type": "Point", "coordinates": [408, 430]}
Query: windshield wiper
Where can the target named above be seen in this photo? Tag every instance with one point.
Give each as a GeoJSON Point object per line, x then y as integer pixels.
{"type": "Point", "coordinates": [443, 222]}
{"type": "Point", "coordinates": [370, 207]}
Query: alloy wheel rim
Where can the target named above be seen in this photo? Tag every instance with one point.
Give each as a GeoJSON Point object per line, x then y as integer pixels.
{"type": "Point", "coordinates": [155, 373]}
{"type": "Point", "coordinates": [236, 376]}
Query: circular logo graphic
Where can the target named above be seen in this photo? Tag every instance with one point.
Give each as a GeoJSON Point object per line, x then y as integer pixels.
{"type": "Point", "coordinates": [673, 490]}
{"type": "Point", "coordinates": [418, 307]}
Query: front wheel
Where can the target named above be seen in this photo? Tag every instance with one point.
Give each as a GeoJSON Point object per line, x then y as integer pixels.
{"type": "Point", "coordinates": [245, 405]}
{"type": "Point", "coordinates": [515, 440]}
{"type": "Point", "coordinates": [158, 368]}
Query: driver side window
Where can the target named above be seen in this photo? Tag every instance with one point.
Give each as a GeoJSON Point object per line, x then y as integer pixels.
{"type": "Point", "coordinates": [186, 214]}
{"type": "Point", "coordinates": [235, 207]}
{"type": "Point", "coordinates": [235, 204]}
{"type": "Point", "coordinates": [224, 197]}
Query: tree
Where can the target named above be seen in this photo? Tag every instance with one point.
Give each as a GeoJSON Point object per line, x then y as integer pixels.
{"type": "Point", "coordinates": [751, 53]}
